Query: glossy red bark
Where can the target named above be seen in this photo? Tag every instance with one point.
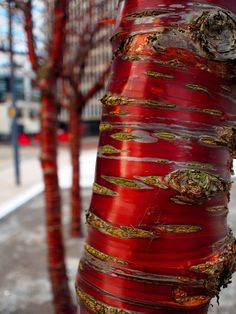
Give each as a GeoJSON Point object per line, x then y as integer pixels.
{"type": "Point", "coordinates": [158, 240]}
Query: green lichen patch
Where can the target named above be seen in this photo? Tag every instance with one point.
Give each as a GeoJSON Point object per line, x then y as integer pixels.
{"type": "Point", "coordinates": [195, 185]}
{"type": "Point", "coordinates": [197, 165]}
{"type": "Point", "coordinates": [108, 149]}
{"type": "Point", "coordinates": [102, 190]}
{"type": "Point", "coordinates": [157, 104]}
{"type": "Point", "coordinates": [159, 75]}
{"type": "Point", "coordinates": [111, 100]}
{"type": "Point", "coordinates": [127, 183]}
{"type": "Point", "coordinates": [119, 232]}
{"type": "Point", "coordinates": [154, 180]}
{"type": "Point", "coordinates": [99, 307]}
{"type": "Point", "coordinates": [124, 136]}
{"type": "Point", "coordinates": [164, 161]}
{"type": "Point", "coordinates": [178, 228]}
{"type": "Point", "coordinates": [148, 13]}
{"type": "Point", "coordinates": [102, 256]}
{"type": "Point", "coordinates": [119, 112]}
{"type": "Point", "coordinates": [175, 63]}
{"type": "Point", "coordinates": [105, 126]}
{"type": "Point", "coordinates": [213, 112]}
{"type": "Point", "coordinates": [198, 88]}
{"type": "Point", "coordinates": [165, 136]}
{"type": "Point", "coordinates": [211, 141]}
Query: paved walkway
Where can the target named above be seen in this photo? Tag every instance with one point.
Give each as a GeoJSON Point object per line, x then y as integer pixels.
{"type": "Point", "coordinates": [13, 196]}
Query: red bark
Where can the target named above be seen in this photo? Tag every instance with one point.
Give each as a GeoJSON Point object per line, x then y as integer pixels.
{"type": "Point", "coordinates": [77, 102]}
{"type": "Point", "coordinates": [75, 138]}
{"type": "Point", "coordinates": [56, 256]}
{"type": "Point", "coordinates": [29, 35]}
{"type": "Point", "coordinates": [158, 240]}
{"type": "Point", "coordinates": [46, 75]}
{"type": "Point", "coordinates": [58, 33]}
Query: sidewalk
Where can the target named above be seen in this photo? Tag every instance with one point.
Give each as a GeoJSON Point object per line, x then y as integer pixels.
{"type": "Point", "coordinates": [13, 196]}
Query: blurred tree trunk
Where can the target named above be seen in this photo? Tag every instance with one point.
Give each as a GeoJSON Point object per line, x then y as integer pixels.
{"type": "Point", "coordinates": [47, 73]}
{"type": "Point", "coordinates": [83, 76]}
{"type": "Point", "coordinates": [56, 255]}
{"type": "Point", "coordinates": [76, 103]}
{"type": "Point", "coordinates": [75, 109]}
{"type": "Point", "coordinates": [158, 240]}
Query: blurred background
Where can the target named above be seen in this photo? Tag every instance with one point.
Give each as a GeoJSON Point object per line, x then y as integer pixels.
{"type": "Point", "coordinates": [58, 52]}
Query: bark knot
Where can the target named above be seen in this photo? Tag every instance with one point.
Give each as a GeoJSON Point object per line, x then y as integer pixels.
{"type": "Point", "coordinates": [195, 185]}
{"type": "Point", "coordinates": [228, 136]}
{"type": "Point", "coordinates": [215, 31]}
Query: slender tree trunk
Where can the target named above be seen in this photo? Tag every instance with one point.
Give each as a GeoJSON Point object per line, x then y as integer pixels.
{"type": "Point", "coordinates": [56, 256]}
{"type": "Point", "coordinates": [47, 73]}
{"type": "Point", "coordinates": [158, 240]}
{"type": "Point", "coordinates": [75, 138]}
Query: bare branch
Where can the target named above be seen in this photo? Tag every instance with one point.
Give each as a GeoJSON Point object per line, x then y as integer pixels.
{"type": "Point", "coordinates": [28, 25]}
{"type": "Point", "coordinates": [58, 36]}
{"type": "Point", "coordinates": [98, 85]}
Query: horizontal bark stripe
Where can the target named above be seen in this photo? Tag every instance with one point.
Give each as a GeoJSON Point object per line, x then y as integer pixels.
{"type": "Point", "coordinates": [133, 133]}
{"type": "Point", "coordinates": [99, 307]}
{"type": "Point", "coordinates": [102, 190]}
{"type": "Point", "coordinates": [98, 260]}
{"type": "Point", "coordinates": [159, 166]}
{"type": "Point", "coordinates": [157, 253]}
{"type": "Point", "coordinates": [151, 294]}
{"type": "Point", "coordinates": [178, 92]}
{"type": "Point", "coordinates": [157, 73]}
{"type": "Point", "coordinates": [120, 232]}
{"type": "Point", "coordinates": [100, 255]}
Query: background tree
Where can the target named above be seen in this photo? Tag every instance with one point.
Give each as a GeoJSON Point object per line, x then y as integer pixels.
{"type": "Point", "coordinates": [158, 240]}
{"type": "Point", "coordinates": [69, 37]}
{"type": "Point", "coordinates": [47, 67]}
{"type": "Point", "coordinates": [84, 42]}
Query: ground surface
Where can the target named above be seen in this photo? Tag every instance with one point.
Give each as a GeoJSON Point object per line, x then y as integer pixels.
{"type": "Point", "coordinates": [24, 286]}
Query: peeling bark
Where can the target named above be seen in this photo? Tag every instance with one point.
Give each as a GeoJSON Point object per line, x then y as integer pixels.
{"type": "Point", "coordinates": [158, 240]}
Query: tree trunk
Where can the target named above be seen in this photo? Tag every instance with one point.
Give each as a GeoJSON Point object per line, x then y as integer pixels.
{"type": "Point", "coordinates": [158, 240]}
{"type": "Point", "coordinates": [75, 138]}
{"type": "Point", "coordinates": [56, 256]}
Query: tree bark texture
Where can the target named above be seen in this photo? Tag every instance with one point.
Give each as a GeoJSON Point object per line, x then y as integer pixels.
{"type": "Point", "coordinates": [158, 240]}
{"type": "Point", "coordinates": [56, 255]}
{"type": "Point", "coordinates": [75, 139]}
{"type": "Point", "coordinates": [47, 72]}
